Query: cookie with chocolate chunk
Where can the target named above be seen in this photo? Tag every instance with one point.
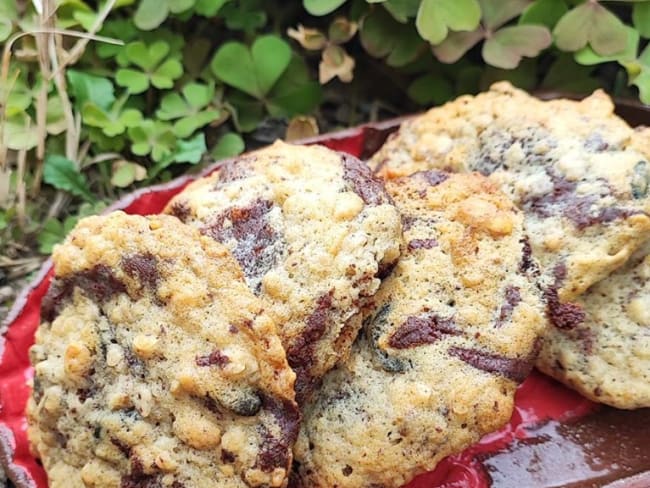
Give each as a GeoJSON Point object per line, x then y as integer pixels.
{"type": "Point", "coordinates": [155, 365]}
{"type": "Point", "coordinates": [455, 330]}
{"type": "Point", "coordinates": [580, 174]}
{"type": "Point", "coordinates": [606, 356]}
{"type": "Point", "coordinates": [314, 232]}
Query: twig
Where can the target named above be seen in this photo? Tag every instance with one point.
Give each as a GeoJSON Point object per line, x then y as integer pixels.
{"type": "Point", "coordinates": [78, 49]}
{"type": "Point", "coordinates": [20, 187]}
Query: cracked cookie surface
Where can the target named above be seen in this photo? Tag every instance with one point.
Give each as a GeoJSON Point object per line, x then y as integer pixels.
{"type": "Point", "coordinates": [606, 356]}
{"type": "Point", "coordinates": [454, 330]}
{"type": "Point", "coordinates": [314, 232]}
{"type": "Point", "coordinates": [580, 174]}
{"type": "Point", "coordinates": [155, 365]}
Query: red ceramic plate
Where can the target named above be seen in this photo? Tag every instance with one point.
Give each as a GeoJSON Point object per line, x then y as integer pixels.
{"type": "Point", "coordinates": [555, 437]}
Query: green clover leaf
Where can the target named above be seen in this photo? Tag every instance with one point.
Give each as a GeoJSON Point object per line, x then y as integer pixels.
{"type": "Point", "coordinates": [230, 144]}
{"type": "Point", "coordinates": [244, 15]}
{"type": "Point", "coordinates": [152, 13]}
{"type": "Point", "coordinates": [544, 12]}
{"type": "Point", "coordinates": [498, 12]}
{"type": "Point", "coordinates": [63, 174]}
{"type": "Point", "coordinates": [189, 108]}
{"type": "Point", "coordinates": [255, 70]}
{"type": "Point", "coordinates": [152, 138]}
{"type": "Point", "coordinates": [508, 45]}
{"type": "Point", "coordinates": [436, 17]}
{"type": "Point", "coordinates": [322, 7]}
{"type": "Point", "coordinates": [53, 232]}
{"type": "Point", "coordinates": [156, 68]}
{"type": "Point", "coordinates": [588, 56]}
{"type": "Point", "coordinates": [641, 18]}
{"type": "Point", "coordinates": [114, 121]}
{"type": "Point", "coordinates": [591, 23]}
{"type": "Point", "coordinates": [384, 37]}
{"type": "Point", "coordinates": [8, 15]}
{"type": "Point", "coordinates": [639, 74]}
{"type": "Point", "coordinates": [86, 87]}
{"type": "Point", "coordinates": [402, 10]}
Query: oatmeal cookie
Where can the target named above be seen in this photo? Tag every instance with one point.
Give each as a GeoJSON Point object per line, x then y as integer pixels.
{"type": "Point", "coordinates": [454, 331]}
{"type": "Point", "coordinates": [580, 174]}
{"type": "Point", "coordinates": [606, 357]}
{"type": "Point", "coordinates": [155, 365]}
{"type": "Point", "coordinates": [314, 232]}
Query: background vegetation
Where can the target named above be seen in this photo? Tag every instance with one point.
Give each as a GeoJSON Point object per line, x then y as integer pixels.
{"type": "Point", "coordinates": [98, 98]}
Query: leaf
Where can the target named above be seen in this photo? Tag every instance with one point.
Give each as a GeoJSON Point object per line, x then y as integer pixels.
{"type": "Point", "coordinates": [430, 89]}
{"type": "Point", "coordinates": [63, 174]}
{"type": "Point", "coordinates": [311, 39]}
{"type": "Point", "coordinates": [8, 14]}
{"type": "Point", "coordinates": [150, 14]}
{"type": "Point", "coordinates": [271, 56]}
{"type": "Point", "coordinates": [508, 45]}
{"type": "Point", "coordinates": [152, 138]}
{"type": "Point", "coordinates": [382, 36]}
{"type": "Point", "coordinates": [244, 15]}
{"type": "Point", "coordinates": [591, 23]}
{"type": "Point", "coordinates": [523, 76]}
{"type": "Point", "coordinates": [166, 73]}
{"type": "Point", "coordinates": [55, 118]}
{"type": "Point", "coordinates": [588, 56]}
{"type": "Point", "coordinates": [186, 151]}
{"type": "Point", "coordinates": [85, 87]}
{"type": "Point", "coordinates": [341, 30]}
{"type": "Point", "coordinates": [19, 134]}
{"type": "Point", "coordinates": [566, 75]}
{"type": "Point", "coordinates": [436, 17]}
{"type": "Point", "coordinates": [457, 44]}
{"type": "Point", "coordinates": [335, 62]}
{"type": "Point", "coordinates": [640, 18]}
{"type": "Point", "coordinates": [497, 12]}
{"type": "Point", "coordinates": [54, 232]}
{"type": "Point", "coordinates": [229, 145]}
{"type": "Point", "coordinates": [134, 81]}
{"type": "Point", "coordinates": [253, 71]}
{"type": "Point", "coordinates": [544, 12]}
{"type": "Point", "coordinates": [208, 8]}
{"type": "Point", "coordinates": [639, 73]}
{"type": "Point", "coordinates": [126, 172]}
{"type": "Point", "coordinates": [322, 7]}
{"type": "Point", "coordinates": [402, 10]}
{"type": "Point", "coordinates": [294, 93]}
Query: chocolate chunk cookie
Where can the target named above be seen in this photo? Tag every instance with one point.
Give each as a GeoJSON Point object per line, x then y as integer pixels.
{"type": "Point", "coordinates": [155, 365]}
{"type": "Point", "coordinates": [455, 329]}
{"type": "Point", "coordinates": [580, 174]}
{"type": "Point", "coordinates": [314, 232]}
{"type": "Point", "coordinates": [606, 356]}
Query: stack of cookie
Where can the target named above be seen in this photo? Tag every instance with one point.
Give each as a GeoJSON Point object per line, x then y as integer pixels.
{"type": "Point", "coordinates": [295, 319]}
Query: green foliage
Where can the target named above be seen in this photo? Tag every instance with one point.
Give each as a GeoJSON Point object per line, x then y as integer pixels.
{"type": "Point", "coordinates": [188, 82]}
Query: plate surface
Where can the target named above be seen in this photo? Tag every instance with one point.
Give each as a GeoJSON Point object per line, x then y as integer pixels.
{"type": "Point", "coordinates": [555, 437]}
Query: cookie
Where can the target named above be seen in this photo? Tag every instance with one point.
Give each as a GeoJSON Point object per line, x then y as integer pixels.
{"type": "Point", "coordinates": [606, 357]}
{"type": "Point", "coordinates": [580, 174]}
{"type": "Point", "coordinates": [454, 331]}
{"type": "Point", "coordinates": [155, 366]}
{"type": "Point", "coordinates": [314, 232]}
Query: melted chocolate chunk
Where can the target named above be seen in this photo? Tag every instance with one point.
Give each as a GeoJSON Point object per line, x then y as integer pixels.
{"type": "Point", "coordinates": [363, 182]}
{"type": "Point", "coordinates": [138, 478]}
{"type": "Point", "coordinates": [423, 329]}
{"type": "Point", "coordinates": [527, 264]}
{"type": "Point", "coordinates": [564, 316]}
{"type": "Point", "coordinates": [347, 470]}
{"type": "Point", "coordinates": [275, 450]}
{"type": "Point", "coordinates": [422, 244]}
{"type": "Point", "coordinates": [385, 269]}
{"type": "Point", "coordinates": [181, 210]}
{"type": "Point", "coordinates": [514, 369]}
{"type": "Point", "coordinates": [512, 299]}
{"type": "Point", "coordinates": [581, 210]}
{"type": "Point", "coordinates": [257, 249]}
{"type": "Point", "coordinates": [433, 177]}
{"type": "Point", "coordinates": [374, 327]}
{"type": "Point", "coordinates": [227, 457]}
{"type": "Point", "coordinates": [640, 180]}
{"type": "Point", "coordinates": [123, 447]}
{"type": "Point", "coordinates": [235, 169]}
{"type": "Point", "coordinates": [300, 353]}
{"type": "Point", "coordinates": [215, 357]}
{"type": "Point", "coordinates": [144, 268]}
{"type": "Point", "coordinates": [596, 143]}
{"type": "Point", "coordinates": [99, 283]}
